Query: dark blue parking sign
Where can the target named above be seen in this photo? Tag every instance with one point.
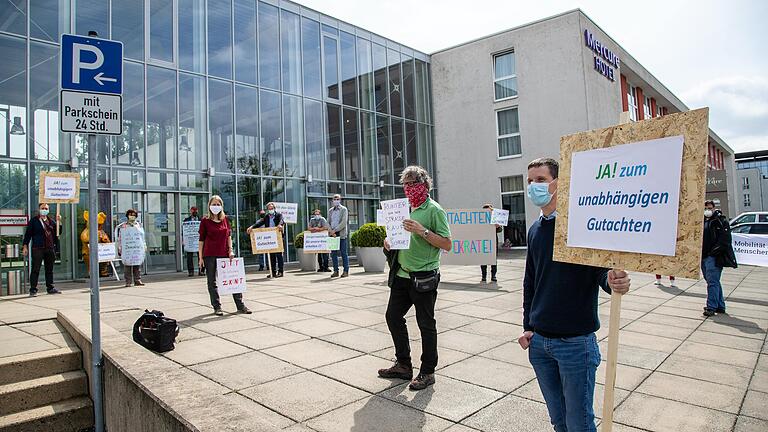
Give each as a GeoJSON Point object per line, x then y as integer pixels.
{"type": "Point", "coordinates": [91, 64]}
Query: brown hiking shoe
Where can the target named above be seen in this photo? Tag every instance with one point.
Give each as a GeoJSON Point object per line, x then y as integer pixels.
{"type": "Point", "coordinates": [398, 370]}
{"type": "Point", "coordinates": [422, 381]}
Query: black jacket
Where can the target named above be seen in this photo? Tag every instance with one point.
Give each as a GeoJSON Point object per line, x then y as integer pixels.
{"type": "Point", "coordinates": [35, 233]}
{"type": "Point", "coordinates": [717, 241]}
{"type": "Point", "coordinates": [264, 221]}
{"type": "Point", "coordinates": [394, 265]}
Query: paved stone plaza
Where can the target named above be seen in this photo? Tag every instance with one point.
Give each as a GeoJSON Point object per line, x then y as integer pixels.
{"type": "Point", "coordinates": [306, 359]}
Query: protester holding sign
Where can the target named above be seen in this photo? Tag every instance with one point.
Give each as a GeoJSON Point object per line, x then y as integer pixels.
{"type": "Point", "coordinates": [716, 253]}
{"type": "Point", "coordinates": [272, 219]}
{"type": "Point", "coordinates": [560, 312]}
{"type": "Point", "coordinates": [319, 224]}
{"type": "Point", "coordinates": [192, 239]}
{"type": "Point", "coordinates": [132, 248]}
{"type": "Point", "coordinates": [414, 275]}
{"type": "Point", "coordinates": [41, 232]}
{"type": "Point", "coordinates": [216, 243]}
{"type": "Point", "coordinates": [338, 217]}
{"type": "Point", "coordinates": [494, 267]}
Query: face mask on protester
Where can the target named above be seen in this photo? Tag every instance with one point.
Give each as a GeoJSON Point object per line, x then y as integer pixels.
{"type": "Point", "coordinates": [708, 213]}
{"type": "Point", "coordinates": [416, 193]}
{"type": "Point", "coordinates": [336, 203]}
{"type": "Point", "coordinates": [216, 209]}
{"type": "Point", "coordinates": [539, 194]}
{"type": "Point", "coordinates": [271, 212]}
{"type": "Point", "coordinates": [132, 218]}
{"type": "Point", "coordinates": [44, 212]}
{"type": "Point", "coordinates": [316, 216]}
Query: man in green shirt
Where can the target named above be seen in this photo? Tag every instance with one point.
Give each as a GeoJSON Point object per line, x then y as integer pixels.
{"type": "Point", "coordinates": [413, 279]}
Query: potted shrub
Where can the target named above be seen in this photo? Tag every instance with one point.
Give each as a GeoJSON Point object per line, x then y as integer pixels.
{"type": "Point", "coordinates": [368, 241]}
{"type": "Point", "coordinates": [307, 262]}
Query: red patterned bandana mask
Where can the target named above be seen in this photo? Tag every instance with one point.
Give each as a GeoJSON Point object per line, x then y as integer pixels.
{"type": "Point", "coordinates": [417, 193]}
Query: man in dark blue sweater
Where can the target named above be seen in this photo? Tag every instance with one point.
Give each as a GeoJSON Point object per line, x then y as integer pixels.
{"type": "Point", "coordinates": [560, 312]}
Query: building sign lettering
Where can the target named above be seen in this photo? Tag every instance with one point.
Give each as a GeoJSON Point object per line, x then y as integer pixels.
{"type": "Point", "coordinates": [605, 60]}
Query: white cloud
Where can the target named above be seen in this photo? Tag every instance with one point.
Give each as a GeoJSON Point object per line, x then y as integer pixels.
{"type": "Point", "coordinates": [744, 97]}
{"type": "Point", "coordinates": [748, 143]}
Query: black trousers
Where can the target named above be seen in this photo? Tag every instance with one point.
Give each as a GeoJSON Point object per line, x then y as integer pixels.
{"type": "Point", "coordinates": [213, 292]}
{"type": "Point", "coordinates": [191, 260]}
{"type": "Point", "coordinates": [401, 297]}
{"type": "Point", "coordinates": [40, 257]}
{"type": "Point", "coordinates": [322, 260]}
{"type": "Point", "coordinates": [276, 267]}
{"type": "Point", "coordinates": [484, 270]}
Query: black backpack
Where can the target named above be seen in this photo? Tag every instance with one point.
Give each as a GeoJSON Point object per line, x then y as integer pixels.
{"type": "Point", "coordinates": [155, 332]}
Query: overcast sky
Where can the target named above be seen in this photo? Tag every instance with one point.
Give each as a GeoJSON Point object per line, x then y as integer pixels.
{"type": "Point", "coordinates": [709, 53]}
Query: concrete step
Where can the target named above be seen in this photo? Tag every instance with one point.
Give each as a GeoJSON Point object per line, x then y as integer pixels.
{"type": "Point", "coordinates": [38, 392]}
{"type": "Point", "coordinates": [72, 415]}
{"type": "Point", "coordinates": [25, 367]}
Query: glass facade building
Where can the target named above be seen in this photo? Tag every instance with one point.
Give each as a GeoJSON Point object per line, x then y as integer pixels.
{"type": "Point", "coordinates": [255, 101]}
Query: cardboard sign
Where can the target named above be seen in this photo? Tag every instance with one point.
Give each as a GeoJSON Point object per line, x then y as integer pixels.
{"type": "Point", "coordinates": [107, 252]}
{"type": "Point", "coordinates": [190, 234]}
{"type": "Point", "coordinates": [750, 249]}
{"type": "Point", "coordinates": [316, 242]}
{"type": "Point", "coordinates": [683, 206]}
{"type": "Point", "coordinates": [59, 187]}
{"type": "Point", "coordinates": [625, 197]}
{"type": "Point", "coordinates": [230, 276]}
{"type": "Point", "coordinates": [500, 217]}
{"type": "Point", "coordinates": [266, 240]}
{"type": "Point", "coordinates": [395, 212]}
{"type": "Point", "coordinates": [290, 211]}
{"type": "Point", "coordinates": [334, 243]}
{"type": "Point", "coordinates": [132, 245]}
{"type": "Point", "coordinates": [473, 238]}
{"type": "Point", "coordinates": [380, 218]}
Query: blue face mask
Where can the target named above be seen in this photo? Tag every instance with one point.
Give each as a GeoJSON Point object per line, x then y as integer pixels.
{"type": "Point", "coordinates": [539, 194]}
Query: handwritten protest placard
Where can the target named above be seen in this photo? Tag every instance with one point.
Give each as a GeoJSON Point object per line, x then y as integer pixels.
{"type": "Point", "coordinates": [395, 212]}
{"type": "Point", "coordinates": [334, 243]}
{"type": "Point", "coordinates": [500, 217]}
{"type": "Point", "coordinates": [132, 245]}
{"type": "Point", "coordinates": [473, 238]}
{"type": "Point", "coordinates": [380, 218]}
{"type": "Point", "coordinates": [59, 187]}
{"type": "Point", "coordinates": [266, 240]}
{"type": "Point", "coordinates": [107, 252]}
{"type": "Point", "coordinates": [190, 234]}
{"type": "Point", "coordinates": [316, 242]}
{"type": "Point", "coordinates": [230, 276]}
{"type": "Point", "coordinates": [289, 211]}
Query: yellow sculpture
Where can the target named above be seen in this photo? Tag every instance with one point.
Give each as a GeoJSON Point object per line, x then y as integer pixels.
{"type": "Point", "coordinates": [103, 238]}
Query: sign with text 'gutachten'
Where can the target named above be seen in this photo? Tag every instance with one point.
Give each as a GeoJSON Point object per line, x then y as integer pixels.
{"type": "Point", "coordinates": [473, 238]}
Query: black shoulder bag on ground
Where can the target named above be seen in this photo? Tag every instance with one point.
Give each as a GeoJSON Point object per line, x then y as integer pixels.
{"type": "Point", "coordinates": [155, 331]}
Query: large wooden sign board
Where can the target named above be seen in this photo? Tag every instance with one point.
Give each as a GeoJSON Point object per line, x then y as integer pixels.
{"type": "Point", "coordinates": [266, 240]}
{"type": "Point", "coordinates": [693, 126]}
{"type": "Point", "coordinates": [59, 187]}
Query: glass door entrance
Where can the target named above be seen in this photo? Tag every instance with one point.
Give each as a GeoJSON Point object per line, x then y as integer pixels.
{"type": "Point", "coordinates": [160, 226]}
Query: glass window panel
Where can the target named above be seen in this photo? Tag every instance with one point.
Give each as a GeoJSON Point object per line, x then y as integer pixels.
{"type": "Point", "coordinates": [505, 88]}
{"type": "Point", "coordinates": [274, 190]}
{"type": "Point", "coordinates": [393, 59]}
{"type": "Point", "coordinates": [294, 193]}
{"type": "Point", "coordinates": [423, 146]}
{"type": "Point", "coordinates": [411, 151]}
{"type": "Point", "coordinates": [161, 180]}
{"type": "Point", "coordinates": [249, 204]}
{"type": "Point", "coordinates": [247, 129]}
{"type": "Point", "coordinates": [512, 184]}
{"type": "Point", "coordinates": [380, 78]}
{"type": "Point", "coordinates": [317, 188]}
{"type": "Point", "coordinates": [161, 119]}
{"type": "Point", "coordinates": [131, 142]}
{"type": "Point", "coordinates": [398, 150]}
{"type": "Point", "coordinates": [408, 90]}
{"type": "Point", "coordinates": [368, 134]}
{"type": "Point", "coordinates": [331, 66]}
{"type": "Point", "coordinates": [128, 27]}
{"type": "Point", "coordinates": [290, 36]}
{"type": "Point", "coordinates": [161, 30]}
{"type": "Point", "coordinates": [133, 178]}
{"type": "Point", "coordinates": [310, 46]}
{"type": "Point", "coordinates": [193, 181]}
{"type": "Point", "coordinates": [13, 16]}
{"type": "Point", "coordinates": [13, 97]}
{"type": "Point", "coordinates": [422, 90]}
{"type": "Point", "coordinates": [365, 71]}
{"type": "Point", "coordinates": [269, 46]}
{"type": "Point", "coordinates": [220, 126]}
{"type": "Point", "coordinates": [48, 19]}
{"type": "Point", "coordinates": [348, 70]}
{"type": "Point", "coordinates": [504, 65]}
{"type": "Point", "coordinates": [384, 149]}
{"type": "Point", "coordinates": [192, 35]}
{"type": "Point", "coordinates": [245, 41]}
{"type": "Point", "coordinates": [193, 146]}
{"type": "Point", "coordinates": [220, 38]}
{"type": "Point", "coordinates": [224, 186]}
{"type": "Point", "coordinates": [508, 122]}
{"type": "Point", "coordinates": [92, 15]}
{"type": "Point", "coordinates": [336, 188]}
{"type": "Point", "coordinates": [514, 232]}
{"type": "Point", "coordinates": [44, 137]}
{"type": "Point", "coordinates": [13, 186]}
{"type": "Point", "coordinates": [333, 138]}
{"type": "Point", "coordinates": [354, 189]}
{"type": "Point", "coordinates": [351, 146]}
{"type": "Point", "coordinates": [429, 93]}
{"type": "Point", "coordinates": [314, 131]}
{"type": "Point", "coordinates": [271, 132]}
{"type": "Point", "coordinates": [293, 136]}
{"type": "Point", "coordinates": [509, 146]}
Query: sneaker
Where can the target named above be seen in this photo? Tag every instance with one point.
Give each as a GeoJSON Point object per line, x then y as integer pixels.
{"type": "Point", "coordinates": [140, 283]}
{"type": "Point", "coordinates": [279, 274]}
{"type": "Point", "coordinates": [345, 274]}
{"type": "Point", "coordinates": [709, 312]}
{"type": "Point", "coordinates": [720, 310]}
{"type": "Point", "coordinates": [33, 293]}
{"type": "Point", "coordinates": [53, 291]}
{"type": "Point", "coordinates": [398, 370]}
{"type": "Point", "coordinates": [493, 278]}
{"type": "Point", "coordinates": [327, 270]}
{"type": "Point", "coordinates": [422, 381]}
{"type": "Point", "coordinates": [672, 285]}
{"type": "Point", "coordinates": [483, 279]}
{"type": "Point", "coordinates": [218, 312]}
{"type": "Point", "coordinates": [335, 274]}
{"type": "Point", "coordinates": [658, 282]}
{"type": "Point", "coordinates": [244, 310]}
{"type": "Point", "coordinates": [320, 270]}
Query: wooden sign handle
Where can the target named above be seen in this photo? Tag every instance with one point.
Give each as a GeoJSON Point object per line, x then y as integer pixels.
{"type": "Point", "coordinates": [58, 215]}
{"type": "Point", "coordinates": [269, 264]}
{"type": "Point", "coordinates": [610, 369]}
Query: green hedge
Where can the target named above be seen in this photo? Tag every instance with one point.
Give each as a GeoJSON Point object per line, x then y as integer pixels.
{"type": "Point", "coordinates": [298, 241]}
{"type": "Point", "coordinates": [369, 235]}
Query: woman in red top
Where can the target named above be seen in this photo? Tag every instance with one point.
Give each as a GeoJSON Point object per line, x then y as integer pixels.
{"type": "Point", "coordinates": [215, 243]}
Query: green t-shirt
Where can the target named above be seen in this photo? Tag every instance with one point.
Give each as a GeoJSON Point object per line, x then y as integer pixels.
{"type": "Point", "coordinates": [422, 256]}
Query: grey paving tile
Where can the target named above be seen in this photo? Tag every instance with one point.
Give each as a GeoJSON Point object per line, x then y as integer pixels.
{"type": "Point", "coordinates": [317, 327]}
{"type": "Point", "coordinates": [446, 356]}
{"type": "Point", "coordinates": [468, 342]}
{"type": "Point", "coordinates": [494, 374]}
{"type": "Point", "coordinates": [634, 356]}
{"type": "Point", "coordinates": [39, 328]}
{"type": "Point", "coordinates": [279, 316]}
{"type": "Point", "coordinates": [264, 337]}
{"type": "Point", "coordinates": [203, 350]}
{"type": "Point", "coordinates": [524, 414]}
{"type": "Point", "coordinates": [360, 318]}
{"type": "Point", "coordinates": [245, 370]}
{"type": "Point", "coordinates": [664, 415]}
{"type": "Point", "coordinates": [755, 405]}
{"type": "Point", "coordinates": [510, 352]}
{"type": "Point", "coordinates": [627, 377]}
{"type": "Point", "coordinates": [659, 329]}
{"type": "Point", "coordinates": [730, 341]}
{"type": "Point", "coordinates": [321, 309]}
{"type": "Point", "coordinates": [311, 353]}
{"type": "Point", "coordinates": [718, 354]}
{"type": "Point", "coordinates": [692, 391]}
{"type": "Point", "coordinates": [749, 424]}
{"type": "Point", "coordinates": [361, 339]}
{"type": "Point", "coordinates": [24, 344]}
{"type": "Point", "coordinates": [217, 325]}
{"type": "Point", "coordinates": [495, 329]}
{"type": "Point", "coordinates": [759, 381]}
{"type": "Point", "coordinates": [361, 372]}
{"type": "Point", "coordinates": [261, 411]}
{"type": "Point", "coordinates": [652, 342]}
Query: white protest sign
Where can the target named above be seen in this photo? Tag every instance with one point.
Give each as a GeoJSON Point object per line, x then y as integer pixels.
{"type": "Point", "coordinates": [626, 197]}
{"type": "Point", "coordinates": [266, 240]}
{"type": "Point", "coordinates": [380, 218]}
{"type": "Point", "coordinates": [395, 212]}
{"type": "Point", "coordinates": [500, 217]}
{"type": "Point", "coordinates": [316, 242]}
{"type": "Point", "coordinates": [750, 249]}
{"type": "Point", "coordinates": [59, 187]}
{"type": "Point", "coordinates": [289, 211]}
{"type": "Point", "coordinates": [190, 234]}
{"type": "Point", "coordinates": [473, 238]}
{"type": "Point", "coordinates": [107, 252]}
{"type": "Point", "coordinates": [132, 245]}
{"type": "Point", "coordinates": [230, 276]}
{"type": "Point", "coordinates": [334, 243]}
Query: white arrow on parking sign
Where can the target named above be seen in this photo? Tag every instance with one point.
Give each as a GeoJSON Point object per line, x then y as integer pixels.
{"type": "Point", "coordinates": [100, 78]}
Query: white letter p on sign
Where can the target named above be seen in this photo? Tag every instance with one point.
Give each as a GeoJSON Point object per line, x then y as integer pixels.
{"type": "Point", "coordinates": [77, 64]}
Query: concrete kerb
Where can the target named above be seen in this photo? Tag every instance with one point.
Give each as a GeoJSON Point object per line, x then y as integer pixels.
{"type": "Point", "coordinates": [145, 391]}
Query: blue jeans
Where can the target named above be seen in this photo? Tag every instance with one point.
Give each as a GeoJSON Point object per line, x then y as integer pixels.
{"type": "Point", "coordinates": [565, 368]}
{"type": "Point", "coordinates": [712, 274]}
{"type": "Point", "coordinates": [344, 256]}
